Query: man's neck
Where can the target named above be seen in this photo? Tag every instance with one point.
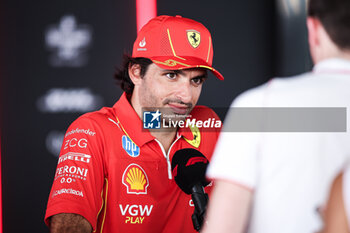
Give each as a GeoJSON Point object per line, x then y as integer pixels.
{"type": "Point", "coordinates": [345, 55]}
{"type": "Point", "coordinates": [342, 54]}
{"type": "Point", "coordinates": [166, 138]}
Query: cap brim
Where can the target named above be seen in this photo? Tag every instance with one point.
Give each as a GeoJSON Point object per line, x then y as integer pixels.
{"type": "Point", "coordinates": [180, 63]}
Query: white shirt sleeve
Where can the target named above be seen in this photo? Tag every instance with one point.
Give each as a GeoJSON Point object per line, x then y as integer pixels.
{"type": "Point", "coordinates": [235, 159]}
{"type": "Point", "coordinates": [236, 154]}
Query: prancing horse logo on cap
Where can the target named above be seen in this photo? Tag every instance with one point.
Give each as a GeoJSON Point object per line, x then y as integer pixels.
{"type": "Point", "coordinates": [194, 38]}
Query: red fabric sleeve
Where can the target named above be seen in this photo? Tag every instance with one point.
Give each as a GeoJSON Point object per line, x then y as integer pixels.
{"type": "Point", "coordinates": [79, 177]}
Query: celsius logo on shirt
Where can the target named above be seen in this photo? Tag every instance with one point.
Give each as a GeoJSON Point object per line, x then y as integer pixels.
{"type": "Point", "coordinates": [130, 147]}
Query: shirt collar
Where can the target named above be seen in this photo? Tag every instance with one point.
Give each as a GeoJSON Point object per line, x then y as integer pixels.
{"type": "Point", "coordinates": [333, 65]}
{"type": "Point", "coordinates": [185, 132]}
{"type": "Point", "coordinates": [130, 122]}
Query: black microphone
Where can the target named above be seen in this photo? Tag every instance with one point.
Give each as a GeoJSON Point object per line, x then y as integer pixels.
{"type": "Point", "coordinates": [188, 167]}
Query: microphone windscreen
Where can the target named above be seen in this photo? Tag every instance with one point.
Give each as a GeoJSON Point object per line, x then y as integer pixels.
{"type": "Point", "coordinates": [188, 167]}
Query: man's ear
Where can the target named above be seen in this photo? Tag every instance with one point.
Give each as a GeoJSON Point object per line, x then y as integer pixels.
{"type": "Point", "coordinates": [135, 74]}
{"type": "Point", "coordinates": [313, 25]}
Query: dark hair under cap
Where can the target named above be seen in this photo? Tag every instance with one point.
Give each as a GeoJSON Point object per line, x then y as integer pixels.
{"type": "Point", "coordinates": [122, 73]}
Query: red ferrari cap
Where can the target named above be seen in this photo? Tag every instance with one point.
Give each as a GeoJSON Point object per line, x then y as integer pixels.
{"type": "Point", "coordinates": [174, 43]}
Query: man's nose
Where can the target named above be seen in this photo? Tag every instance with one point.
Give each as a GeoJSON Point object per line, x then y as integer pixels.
{"type": "Point", "coordinates": [184, 92]}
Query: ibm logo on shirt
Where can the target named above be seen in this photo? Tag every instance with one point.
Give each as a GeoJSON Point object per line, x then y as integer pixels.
{"type": "Point", "coordinates": [151, 120]}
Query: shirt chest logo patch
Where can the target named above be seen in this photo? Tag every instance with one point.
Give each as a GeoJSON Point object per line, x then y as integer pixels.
{"type": "Point", "coordinates": [135, 179]}
{"type": "Point", "coordinates": [130, 147]}
{"type": "Point", "coordinates": [196, 141]}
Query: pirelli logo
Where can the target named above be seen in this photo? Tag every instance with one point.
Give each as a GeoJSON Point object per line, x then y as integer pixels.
{"type": "Point", "coordinates": [75, 157]}
{"type": "Point", "coordinates": [135, 179]}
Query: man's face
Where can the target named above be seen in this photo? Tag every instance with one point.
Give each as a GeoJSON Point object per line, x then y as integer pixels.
{"type": "Point", "coordinates": [176, 90]}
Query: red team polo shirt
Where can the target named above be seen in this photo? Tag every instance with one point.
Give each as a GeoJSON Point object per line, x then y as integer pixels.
{"type": "Point", "coordinates": [118, 176]}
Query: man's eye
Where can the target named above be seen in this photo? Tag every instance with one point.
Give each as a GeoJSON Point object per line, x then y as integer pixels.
{"type": "Point", "coordinates": [171, 75]}
{"type": "Point", "coordinates": [197, 80]}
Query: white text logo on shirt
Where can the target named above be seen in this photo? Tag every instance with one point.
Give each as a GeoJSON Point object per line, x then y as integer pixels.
{"type": "Point", "coordinates": [135, 214]}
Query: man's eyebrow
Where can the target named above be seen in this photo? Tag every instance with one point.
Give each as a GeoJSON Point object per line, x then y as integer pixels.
{"type": "Point", "coordinates": [174, 71]}
{"type": "Point", "coordinates": [203, 76]}
{"type": "Point", "coordinates": [181, 72]}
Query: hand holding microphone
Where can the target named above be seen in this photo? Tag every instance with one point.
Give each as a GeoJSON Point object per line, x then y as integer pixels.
{"type": "Point", "coordinates": [189, 167]}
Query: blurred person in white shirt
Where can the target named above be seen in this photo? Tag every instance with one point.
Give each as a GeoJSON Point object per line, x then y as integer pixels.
{"type": "Point", "coordinates": [277, 182]}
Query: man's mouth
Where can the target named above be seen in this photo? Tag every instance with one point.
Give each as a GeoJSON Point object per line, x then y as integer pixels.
{"type": "Point", "coordinates": [179, 108]}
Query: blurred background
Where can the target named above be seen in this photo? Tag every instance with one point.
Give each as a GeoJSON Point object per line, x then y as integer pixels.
{"type": "Point", "coordinates": [58, 57]}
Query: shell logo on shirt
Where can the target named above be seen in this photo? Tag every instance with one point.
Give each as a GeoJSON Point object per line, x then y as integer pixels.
{"type": "Point", "coordinates": [135, 179]}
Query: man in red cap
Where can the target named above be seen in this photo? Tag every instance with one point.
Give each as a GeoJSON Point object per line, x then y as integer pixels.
{"type": "Point", "coordinates": [114, 170]}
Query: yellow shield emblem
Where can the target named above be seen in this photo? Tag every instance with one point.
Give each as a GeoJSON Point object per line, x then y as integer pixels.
{"type": "Point", "coordinates": [194, 38]}
{"type": "Point", "coordinates": [196, 141]}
